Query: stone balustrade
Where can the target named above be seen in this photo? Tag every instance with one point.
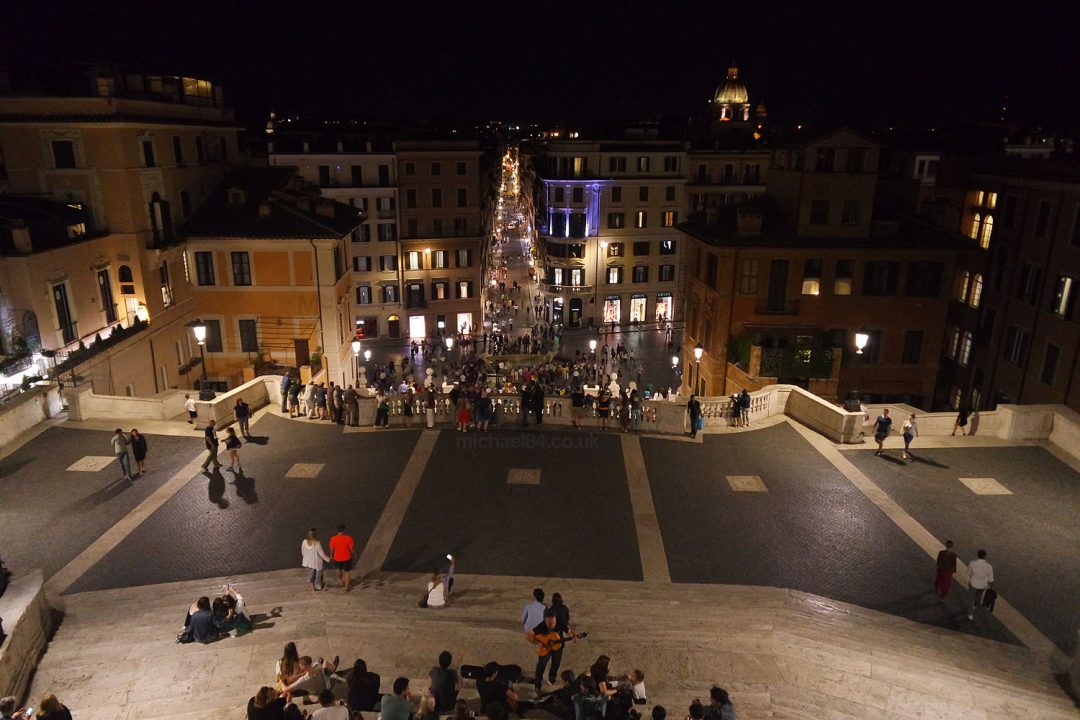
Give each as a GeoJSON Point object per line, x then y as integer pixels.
{"type": "Point", "coordinates": [28, 622]}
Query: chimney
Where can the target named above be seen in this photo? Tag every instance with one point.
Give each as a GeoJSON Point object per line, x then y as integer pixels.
{"type": "Point", "coordinates": [20, 237]}
{"type": "Point", "coordinates": [748, 222]}
{"type": "Point", "coordinates": [264, 210]}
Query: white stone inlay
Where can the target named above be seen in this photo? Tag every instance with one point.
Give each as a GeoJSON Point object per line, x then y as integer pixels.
{"type": "Point", "coordinates": [523, 476]}
{"type": "Point", "coordinates": [91, 463]}
{"type": "Point", "coordinates": [746, 483]}
{"type": "Point", "coordinates": [985, 486]}
{"type": "Point", "coordinates": [305, 470]}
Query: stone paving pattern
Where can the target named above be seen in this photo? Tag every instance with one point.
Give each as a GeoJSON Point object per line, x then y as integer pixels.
{"type": "Point", "coordinates": [1032, 537]}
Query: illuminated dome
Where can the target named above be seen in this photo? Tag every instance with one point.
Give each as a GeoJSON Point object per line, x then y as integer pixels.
{"type": "Point", "coordinates": [731, 91]}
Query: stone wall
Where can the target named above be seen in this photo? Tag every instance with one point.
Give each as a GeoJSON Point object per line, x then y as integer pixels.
{"type": "Point", "coordinates": [27, 410]}
{"type": "Point", "coordinates": [28, 624]}
{"type": "Point", "coordinates": [85, 404]}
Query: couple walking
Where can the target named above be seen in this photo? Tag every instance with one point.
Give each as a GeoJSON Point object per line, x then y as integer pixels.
{"type": "Point", "coordinates": [314, 558]}
{"type": "Point", "coordinates": [136, 442]}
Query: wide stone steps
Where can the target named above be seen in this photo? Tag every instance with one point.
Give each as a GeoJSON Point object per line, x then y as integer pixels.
{"type": "Point", "coordinates": [782, 654]}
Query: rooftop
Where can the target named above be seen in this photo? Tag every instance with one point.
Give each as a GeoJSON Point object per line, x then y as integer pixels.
{"type": "Point", "coordinates": [48, 222]}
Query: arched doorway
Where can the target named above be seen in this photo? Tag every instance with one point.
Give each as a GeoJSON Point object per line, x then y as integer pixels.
{"type": "Point", "coordinates": [575, 313]}
{"type": "Point", "coordinates": [393, 326]}
{"type": "Point", "coordinates": [31, 332]}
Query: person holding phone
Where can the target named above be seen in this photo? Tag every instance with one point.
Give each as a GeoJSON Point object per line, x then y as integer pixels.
{"type": "Point", "coordinates": [51, 708]}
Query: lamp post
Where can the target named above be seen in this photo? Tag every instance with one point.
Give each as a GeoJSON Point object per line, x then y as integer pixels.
{"type": "Point", "coordinates": [675, 368]}
{"type": "Point", "coordinates": [862, 339]}
{"type": "Point", "coordinates": [198, 328]}
{"type": "Point", "coordinates": [592, 351]}
{"type": "Point", "coordinates": [601, 247]}
{"type": "Point", "coordinates": [356, 359]}
{"type": "Point", "coordinates": [698, 352]}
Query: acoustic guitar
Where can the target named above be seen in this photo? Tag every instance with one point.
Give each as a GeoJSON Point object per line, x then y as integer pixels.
{"type": "Point", "coordinates": [553, 641]}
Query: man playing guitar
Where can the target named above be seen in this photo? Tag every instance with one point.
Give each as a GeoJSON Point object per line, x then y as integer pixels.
{"type": "Point", "coordinates": [549, 641]}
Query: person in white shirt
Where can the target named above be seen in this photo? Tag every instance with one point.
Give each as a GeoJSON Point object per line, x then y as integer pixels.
{"type": "Point", "coordinates": [533, 614]}
{"type": "Point", "coordinates": [192, 412]}
{"type": "Point", "coordinates": [315, 677]}
{"type": "Point", "coordinates": [436, 591]}
{"type": "Point", "coordinates": [911, 430]}
{"type": "Point", "coordinates": [313, 558]}
{"type": "Point", "coordinates": [329, 709]}
{"type": "Point", "coordinates": [980, 577]}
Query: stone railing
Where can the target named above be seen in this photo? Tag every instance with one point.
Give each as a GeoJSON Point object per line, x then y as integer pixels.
{"type": "Point", "coordinates": [85, 404]}
{"type": "Point", "coordinates": [28, 624]}
{"type": "Point", "coordinates": [27, 410]}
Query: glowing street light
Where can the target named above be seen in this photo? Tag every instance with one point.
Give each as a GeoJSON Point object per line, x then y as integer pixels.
{"type": "Point", "coordinates": [198, 328]}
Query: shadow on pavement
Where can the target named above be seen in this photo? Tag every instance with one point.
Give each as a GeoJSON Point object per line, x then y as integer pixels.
{"type": "Point", "coordinates": [258, 439]}
{"type": "Point", "coordinates": [98, 497]}
{"type": "Point", "coordinates": [927, 461]}
{"type": "Point", "coordinates": [245, 487]}
{"type": "Point", "coordinates": [216, 488]}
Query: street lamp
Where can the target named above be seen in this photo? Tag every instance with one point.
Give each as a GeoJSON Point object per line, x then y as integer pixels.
{"type": "Point", "coordinates": [449, 343]}
{"type": "Point", "coordinates": [602, 246]}
{"type": "Point", "coordinates": [698, 352]}
{"type": "Point", "coordinates": [356, 359]}
{"type": "Point", "coordinates": [862, 339]}
{"type": "Point", "coordinates": [592, 350]}
{"type": "Point", "coordinates": [198, 328]}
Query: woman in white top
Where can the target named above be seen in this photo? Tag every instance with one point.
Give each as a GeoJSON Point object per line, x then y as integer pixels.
{"type": "Point", "coordinates": [911, 430]}
{"type": "Point", "coordinates": [436, 591]}
{"type": "Point", "coordinates": [311, 550]}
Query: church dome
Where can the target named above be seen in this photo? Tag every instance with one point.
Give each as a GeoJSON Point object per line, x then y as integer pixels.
{"type": "Point", "coordinates": [731, 91]}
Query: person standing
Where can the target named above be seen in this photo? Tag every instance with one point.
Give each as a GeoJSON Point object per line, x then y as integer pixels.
{"type": "Point", "coordinates": [946, 568]}
{"type": "Point", "coordinates": [339, 405]}
{"type": "Point", "coordinates": [538, 402]}
{"type": "Point", "coordinates": [342, 548]}
{"type": "Point", "coordinates": [242, 413]}
{"type": "Point", "coordinates": [313, 558]}
{"type": "Point", "coordinates": [603, 408]}
{"type": "Point", "coordinates": [294, 398]}
{"type": "Point", "coordinates": [881, 430]}
{"type": "Point", "coordinates": [744, 407]}
{"type": "Point", "coordinates": [210, 438]}
{"type": "Point", "coordinates": [549, 646]}
{"type": "Point", "coordinates": [526, 404]}
{"type": "Point", "coordinates": [694, 408]}
{"type": "Point", "coordinates": [911, 430]}
{"type": "Point", "coordinates": [577, 406]}
{"type": "Point", "coordinates": [961, 422]}
{"type": "Point", "coordinates": [192, 412]}
{"type": "Point", "coordinates": [120, 449]}
{"type": "Point", "coordinates": [138, 449]}
{"type": "Point", "coordinates": [286, 385]}
{"type": "Point", "coordinates": [533, 614]}
{"type": "Point", "coordinates": [233, 444]}
{"type": "Point", "coordinates": [352, 407]}
{"type": "Point", "coordinates": [980, 579]}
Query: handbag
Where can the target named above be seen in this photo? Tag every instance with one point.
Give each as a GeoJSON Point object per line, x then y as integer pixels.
{"type": "Point", "coordinates": [989, 598]}
{"type": "Point", "coordinates": [700, 423]}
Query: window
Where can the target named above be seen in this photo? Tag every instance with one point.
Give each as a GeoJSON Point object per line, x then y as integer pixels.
{"type": "Point", "coordinates": [200, 149]}
{"type": "Point", "coordinates": [410, 169]}
{"type": "Point", "coordinates": [616, 194]}
{"type": "Point", "coordinates": [711, 270]}
{"type": "Point", "coordinates": [955, 396]}
{"type": "Point", "coordinates": [575, 250]}
{"type": "Point", "coordinates": [390, 293]}
{"type": "Point", "coordinates": [819, 212]}
{"type": "Point", "coordinates": [668, 218]}
{"type": "Point", "coordinates": [849, 213]}
{"type": "Point", "coordinates": [63, 152]}
{"type": "Point", "coordinates": [643, 193]}
{"type": "Point", "coordinates": [166, 285]}
{"type": "Point", "coordinates": [912, 353]}
{"type": "Point", "coordinates": [241, 268]}
{"type": "Point", "coordinates": [1050, 361]}
{"type": "Point", "coordinates": [411, 226]}
{"type": "Point", "coordinates": [436, 197]}
{"type": "Point", "coordinates": [880, 278]}
{"type": "Point", "coordinates": [410, 198]}
{"type": "Point", "coordinates": [976, 223]}
{"type": "Point", "coordinates": [667, 247]}
{"type": "Point", "coordinates": [669, 193]}
{"type": "Point", "coordinates": [811, 281]}
{"type": "Point", "coordinates": [641, 273]}
{"type": "Point", "coordinates": [204, 268]}
{"type": "Point", "coordinates": [178, 150]}
{"type": "Point", "coordinates": [388, 263]}
{"type": "Point", "coordinates": [213, 335]}
{"type": "Point", "coordinates": [185, 203]}
{"type": "Point", "coordinates": [641, 248]}
{"type": "Point", "coordinates": [324, 175]}
{"type": "Point", "coordinates": [667, 273]}
{"type": "Point", "coordinates": [577, 276]}
{"type": "Point", "coordinates": [1042, 220]}
{"type": "Point", "coordinates": [1015, 345]}
{"type": "Point", "coordinates": [464, 258]}
{"type": "Point", "coordinates": [357, 174]}
{"type": "Point", "coordinates": [748, 277]}
{"type": "Point", "coordinates": [974, 297]}
{"type": "Point", "coordinates": [464, 288]}
{"type": "Point", "coordinates": [615, 250]}
{"type": "Point", "coordinates": [363, 294]}
{"type": "Point", "coordinates": [614, 275]}
{"type": "Point", "coordinates": [462, 197]}
{"type": "Point", "coordinates": [671, 163]}
{"type": "Point", "coordinates": [1008, 212]}
{"type": "Point", "coordinates": [856, 160]}
{"type": "Point", "coordinates": [1062, 303]}
{"type": "Point", "coordinates": [436, 168]}
{"type": "Point", "coordinates": [964, 354]}
{"type": "Point", "coordinates": [461, 227]}
{"type": "Point", "coordinates": [616, 220]}
{"type": "Point", "coordinates": [440, 290]}
{"type": "Point", "coordinates": [560, 195]}
{"type": "Point", "coordinates": [414, 260]}
{"type": "Point", "coordinates": [924, 279]}
{"type": "Point", "coordinates": [1028, 289]}
{"type": "Point", "coordinates": [361, 263]}
{"type": "Point", "coordinates": [641, 219]}
{"type": "Point", "coordinates": [438, 259]}
{"type": "Point", "coordinates": [578, 164]}
{"type": "Point", "coordinates": [952, 342]}
{"type": "Point", "coordinates": [384, 176]}
{"type": "Point", "coordinates": [872, 352]}
{"type": "Point", "coordinates": [249, 339]}
{"type": "Point", "coordinates": [387, 232]}
{"type": "Point", "coordinates": [845, 277]}
{"type": "Point", "coordinates": [460, 168]}
{"type": "Point", "coordinates": [643, 164]}
{"type": "Point", "coordinates": [616, 164]}
{"type": "Point", "coordinates": [577, 195]}
{"type": "Point", "coordinates": [362, 233]}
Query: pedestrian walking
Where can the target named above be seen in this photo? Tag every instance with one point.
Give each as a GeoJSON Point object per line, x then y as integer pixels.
{"type": "Point", "coordinates": [946, 568]}
{"type": "Point", "coordinates": [342, 548]}
{"type": "Point", "coordinates": [693, 406]}
{"type": "Point", "coordinates": [911, 430]}
{"type": "Point", "coordinates": [233, 444]}
{"type": "Point", "coordinates": [242, 413]}
{"type": "Point", "coordinates": [313, 557]}
{"type": "Point", "coordinates": [881, 430]}
{"type": "Point", "coordinates": [286, 383]}
{"type": "Point", "coordinates": [192, 412]}
{"type": "Point", "coordinates": [138, 449]}
{"type": "Point", "coordinates": [294, 398]}
{"type": "Point", "coordinates": [352, 407]}
{"type": "Point", "coordinates": [210, 438]}
{"type": "Point", "coordinates": [120, 449]}
{"type": "Point", "coordinates": [980, 579]}
{"type": "Point", "coordinates": [603, 408]}
{"type": "Point", "coordinates": [961, 422]}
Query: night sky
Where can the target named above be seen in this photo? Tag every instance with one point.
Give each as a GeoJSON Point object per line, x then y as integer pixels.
{"type": "Point", "coordinates": [863, 64]}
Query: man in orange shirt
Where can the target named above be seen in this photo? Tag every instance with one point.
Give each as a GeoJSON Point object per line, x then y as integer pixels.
{"type": "Point", "coordinates": [342, 550]}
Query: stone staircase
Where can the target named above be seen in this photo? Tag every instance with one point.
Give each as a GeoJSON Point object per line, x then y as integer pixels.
{"type": "Point", "coordinates": [781, 654]}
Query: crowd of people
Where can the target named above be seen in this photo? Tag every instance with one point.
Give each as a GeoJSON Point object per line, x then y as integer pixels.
{"type": "Point", "coordinates": [225, 616]}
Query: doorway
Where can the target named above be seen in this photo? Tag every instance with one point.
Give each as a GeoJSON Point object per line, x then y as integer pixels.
{"type": "Point", "coordinates": [393, 327]}
{"type": "Point", "coordinates": [575, 313]}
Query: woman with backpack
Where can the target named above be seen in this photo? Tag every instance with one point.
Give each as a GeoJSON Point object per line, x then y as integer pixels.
{"type": "Point", "coordinates": [232, 444]}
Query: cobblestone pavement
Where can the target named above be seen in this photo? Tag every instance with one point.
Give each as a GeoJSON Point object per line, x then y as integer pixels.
{"type": "Point", "coordinates": [810, 529]}
{"type": "Point", "coordinates": [576, 522]}
{"type": "Point", "coordinates": [224, 524]}
{"type": "Point", "coordinates": [1032, 536]}
{"type": "Point", "coordinates": [49, 514]}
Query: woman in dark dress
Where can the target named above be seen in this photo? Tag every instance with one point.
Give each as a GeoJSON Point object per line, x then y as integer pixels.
{"type": "Point", "coordinates": [138, 448]}
{"type": "Point", "coordinates": [363, 687]}
{"type": "Point", "coordinates": [603, 408]}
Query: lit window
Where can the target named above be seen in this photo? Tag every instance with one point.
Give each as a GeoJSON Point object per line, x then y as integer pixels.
{"type": "Point", "coordinates": [973, 231]}
{"type": "Point", "coordinates": [979, 197]}
{"type": "Point", "coordinates": [965, 285]}
{"type": "Point", "coordinates": [669, 218]}
{"type": "Point", "coordinates": [975, 294]}
{"type": "Point", "coordinates": [991, 200]}
{"type": "Point", "coordinates": [954, 342]}
{"type": "Point", "coordinates": [965, 348]}
{"type": "Point", "coordinates": [987, 228]}
{"type": "Point", "coordinates": [1062, 301]}
{"type": "Point", "coordinates": [641, 219]}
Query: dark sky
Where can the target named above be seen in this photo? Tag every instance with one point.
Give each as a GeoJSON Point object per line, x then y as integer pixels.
{"type": "Point", "coordinates": [868, 63]}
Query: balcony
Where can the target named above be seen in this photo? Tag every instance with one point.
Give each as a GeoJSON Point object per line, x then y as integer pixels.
{"type": "Point", "coordinates": [567, 289]}
{"type": "Point", "coordinates": [725, 180]}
